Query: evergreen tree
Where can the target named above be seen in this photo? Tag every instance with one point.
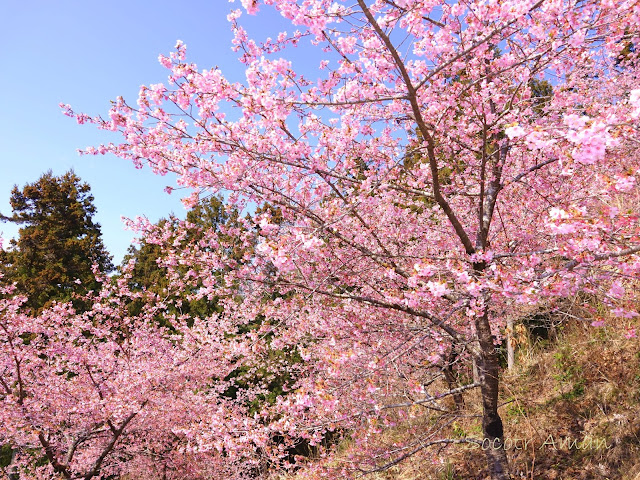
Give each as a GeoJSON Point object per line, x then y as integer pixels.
{"type": "Point", "coordinates": [150, 272]}
{"type": "Point", "coordinates": [58, 242]}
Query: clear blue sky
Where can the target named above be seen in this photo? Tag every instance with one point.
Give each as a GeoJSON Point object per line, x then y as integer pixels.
{"type": "Point", "coordinates": [86, 53]}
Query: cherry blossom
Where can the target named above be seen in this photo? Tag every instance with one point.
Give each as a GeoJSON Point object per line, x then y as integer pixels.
{"type": "Point", "coordinates": [427, 189]}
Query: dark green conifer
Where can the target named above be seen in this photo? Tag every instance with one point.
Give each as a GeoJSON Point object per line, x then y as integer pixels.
{"type": "Point", "coordinates": [58, 241]}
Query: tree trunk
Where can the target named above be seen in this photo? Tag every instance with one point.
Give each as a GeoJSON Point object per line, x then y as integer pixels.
{"type": "Point", "coordinates": [511, 356]}
{"type": "Point", "coordinates": [12, 470]}
{"type": "Point", "coordinates": [452, 378]}
{"type": "Point", "coordinates": [488, 369]}
{"type": "Point", "coordinates": [474, 368]}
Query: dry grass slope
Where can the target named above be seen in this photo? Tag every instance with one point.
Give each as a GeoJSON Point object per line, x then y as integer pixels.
{"type": "Point", "coordinates": [571, 409]}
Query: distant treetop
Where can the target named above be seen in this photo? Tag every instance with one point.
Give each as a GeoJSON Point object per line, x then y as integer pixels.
{"type": "Point", "coordinates": [58, 241]}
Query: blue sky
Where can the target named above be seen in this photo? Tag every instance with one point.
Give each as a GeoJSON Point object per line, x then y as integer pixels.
{"type": "Point", "coordinates": [86, 53]}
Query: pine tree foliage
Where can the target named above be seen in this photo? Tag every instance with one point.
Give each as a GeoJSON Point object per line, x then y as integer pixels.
{"type": "Point", "coordinates": [147, 266]}
{"type": "Point", "coordinates": [58, 243]}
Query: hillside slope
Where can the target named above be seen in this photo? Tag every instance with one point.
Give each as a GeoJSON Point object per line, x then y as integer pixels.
{"type": "Point", "coordinates": [571, 411]}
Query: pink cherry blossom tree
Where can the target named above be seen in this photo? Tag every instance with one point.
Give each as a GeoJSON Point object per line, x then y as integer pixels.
{"type": "Point", "coordinates": [105, 394]}
{"type": "Point", "coordinates": [423, 192]}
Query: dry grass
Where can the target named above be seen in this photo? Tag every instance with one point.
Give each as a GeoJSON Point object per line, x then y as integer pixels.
{"type": "Point", "coordinates": [584, 388]}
